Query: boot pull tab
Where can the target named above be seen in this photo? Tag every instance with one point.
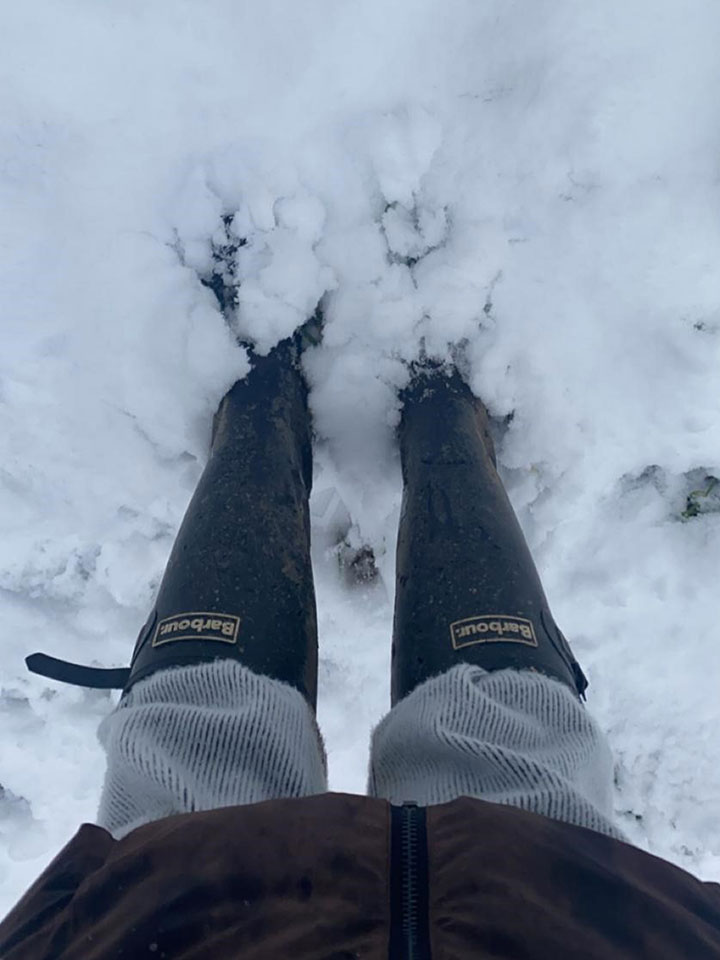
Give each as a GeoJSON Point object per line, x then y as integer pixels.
{"type": "Point", "coordinates": [98, 678]}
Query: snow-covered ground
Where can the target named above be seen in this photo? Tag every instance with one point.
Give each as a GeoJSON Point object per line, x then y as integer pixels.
{"type": "Point", "coordinates": [535, 180]}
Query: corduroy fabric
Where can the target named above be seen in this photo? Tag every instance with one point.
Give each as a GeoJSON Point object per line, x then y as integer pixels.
{"type": "Point", "coordinates": [516, 738]}
{"type": "Point", "coordinates": [206, 736]}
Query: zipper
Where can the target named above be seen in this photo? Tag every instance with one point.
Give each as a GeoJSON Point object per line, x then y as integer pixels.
{"type": "Point", "coordinates": [409, 923]}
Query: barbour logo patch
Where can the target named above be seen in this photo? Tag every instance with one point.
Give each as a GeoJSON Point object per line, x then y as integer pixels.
{"type": "Point", "coordinates": [219, 627]}
{"type": "Point", "coordinates": [492, 628]}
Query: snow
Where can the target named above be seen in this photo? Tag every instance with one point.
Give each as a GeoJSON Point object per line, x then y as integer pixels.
{"type": "Point", "coordinates": [532, 183]}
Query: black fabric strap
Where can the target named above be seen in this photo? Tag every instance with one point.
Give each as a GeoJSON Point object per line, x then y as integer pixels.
{"type": "Point", "coordinates": [76, 674]}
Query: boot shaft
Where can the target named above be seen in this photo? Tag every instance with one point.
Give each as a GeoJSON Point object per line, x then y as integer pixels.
{"type": "Point", "coordinates": [467, 588]}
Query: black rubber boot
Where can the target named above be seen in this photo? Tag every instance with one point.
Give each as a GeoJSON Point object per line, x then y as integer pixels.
{"type": "Point", "coordinates": [467, 589]}
{"type": "Point", "coordinates": [239, 580]}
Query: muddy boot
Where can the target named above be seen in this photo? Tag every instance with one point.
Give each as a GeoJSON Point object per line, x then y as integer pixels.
{"type": "Point", "coordinates": [467, 589]}
{"type": "Point", "coordinates": [239, 582]}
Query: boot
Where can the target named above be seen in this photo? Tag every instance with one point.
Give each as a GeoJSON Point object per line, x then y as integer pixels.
{"type": "Point", "coordinates": [239, 582]}
{"type": "Point", "coordinates": [467, 589]}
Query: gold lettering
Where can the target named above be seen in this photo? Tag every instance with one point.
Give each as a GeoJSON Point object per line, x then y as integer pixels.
{"type": "Point", "coordinates": [487, 628]}
{"type": "Point", "coordinates": [228, 628]}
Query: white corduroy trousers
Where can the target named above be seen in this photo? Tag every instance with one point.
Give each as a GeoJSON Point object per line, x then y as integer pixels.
{"type": "Point", "coordinates": [216, 734]}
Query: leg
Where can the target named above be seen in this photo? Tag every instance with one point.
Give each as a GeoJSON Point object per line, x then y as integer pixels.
{"type": "Point", "coordinates": [219, 706]}
{"type": "Point", "coordinates": [239, 581]}
{"type": "Point", "coordinates": [485, 688]}
{"type": "Point", "coordinates": [467, 588]}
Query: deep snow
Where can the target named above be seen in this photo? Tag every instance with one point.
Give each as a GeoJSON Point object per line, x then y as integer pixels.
{"type": "Point", "coordinates": [534, 181]}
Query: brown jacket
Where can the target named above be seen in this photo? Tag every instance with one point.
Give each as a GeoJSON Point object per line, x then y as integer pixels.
{"type": "Point", "coordinates": [339, 877]}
